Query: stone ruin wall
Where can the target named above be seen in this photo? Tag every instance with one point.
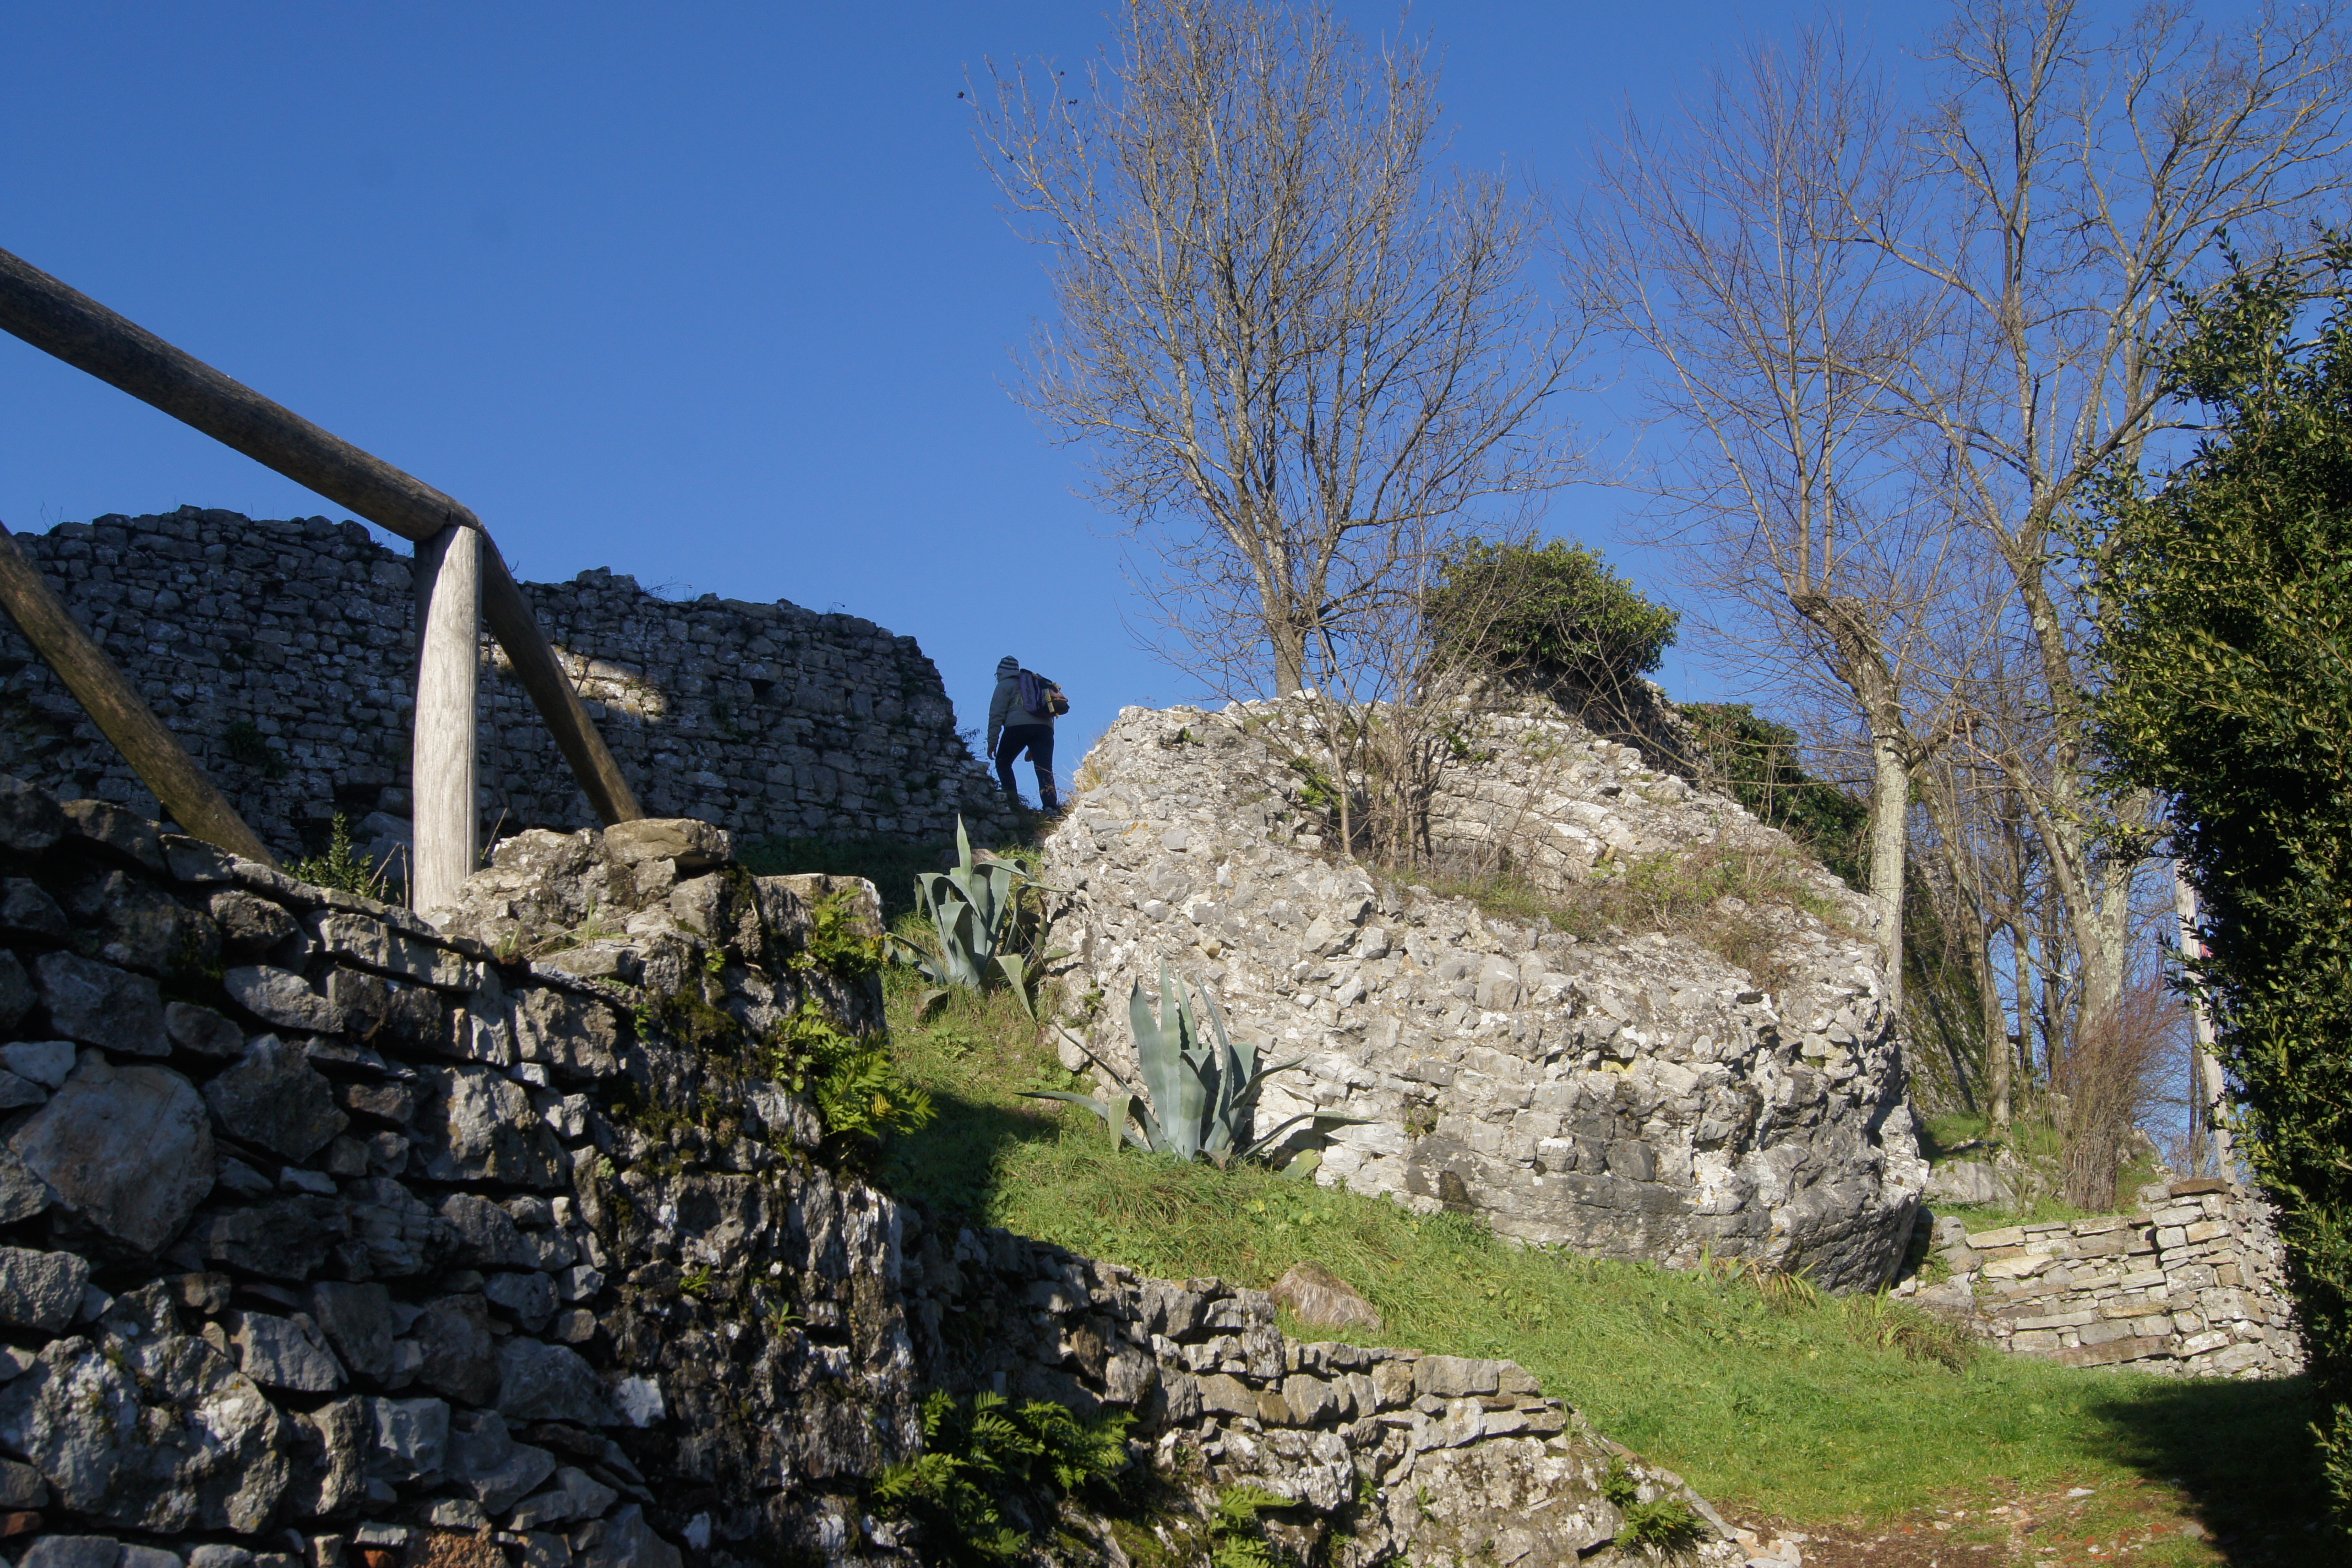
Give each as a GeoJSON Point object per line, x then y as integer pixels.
{"type": "Point", "coordinates": [332, 1239]}
{"type": "Point", "coordinates": [282, 655]}
{"type": "Point", "coordinates": [1631, 1095]}
{"type": "Point", "coordinates": [2193, 1282]}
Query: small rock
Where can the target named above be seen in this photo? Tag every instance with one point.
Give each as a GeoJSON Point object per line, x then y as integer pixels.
{"type": "Point", "coordinates": [100, 1005]}
{"type": "Point", "coordinates": [26, 910]}
{"type": "Point", "coordinates": [30, 820]}
{"type": "Point", "coordinates": [122, 832]}
{"type": "Point", "coordinates": [540, 1381]}
{"type": "Point", "coordinates": [624, 1541]}
{"type": "Point", "coordinates": [275, 1098]}
{"type": "Point", "coordinates": [1321, 1299]}
{"type": "Point", "coordinates": [72, 1552]}
{"type": "Point", "coordinates": [575, 1496]}
{"type": "Point", "coordinates": [22, 1193]}
{"type": "Point", "coordinates": [250, 927]}
{"type": "Point", "coordinates": [17, 1091]}
{"type": "Point", "coordinates": [202, 1030]}
{"type": "Point", "coordinates": [639, 1398]}
{"type": "Point", "coordinates": [695, 845]}
{"type": "Point", "coordinates": [16, 996]}
{"type": "Point", "coordinates": [459, 1359]}
{"type": "Point", "coordinates": [530, 1297]}
{"type": "Point", "coordinates": [412, 1437]}
{"type": "Point", "coordinates": [129, 1149]}
{"type": "Point", "coordinates": [285, 1353]}
{"type": "Point", "coordinates": [46, 1062]}
{"type": "Point", "coordinates": [21, 1486]}
{"type": "Point", "coordinates": [357, 1319]}
{"type": "Point", "coordinates": [282, 997]}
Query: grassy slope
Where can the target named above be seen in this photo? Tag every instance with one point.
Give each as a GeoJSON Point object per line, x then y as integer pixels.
{"type": "Point", "coordinates": [1767, 1399]}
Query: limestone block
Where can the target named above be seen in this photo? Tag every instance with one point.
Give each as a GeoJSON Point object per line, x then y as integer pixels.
{"type": "Point", "coordinates": [100, 1005]}
{"type": "Point", "coordinates": [128, 1149]}
{"type": "Point", "coordinates": [273, 1097]}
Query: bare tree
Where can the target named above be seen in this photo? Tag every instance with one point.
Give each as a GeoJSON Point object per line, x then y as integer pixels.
{"type": "Point", "coordinates": [1721, 254]}
{"type": "Point", "coordinates": [2067, 183]}
{"type": "Point", "coordinates": [1294, 351]}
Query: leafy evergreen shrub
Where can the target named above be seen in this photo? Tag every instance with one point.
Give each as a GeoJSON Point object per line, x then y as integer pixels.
{"type": "Point", "coordinates": [2226, 624]}
{"type": "Point", "coordinates": [1756, 760]}
{"type": "Point", "coordinates": [1554, 613]}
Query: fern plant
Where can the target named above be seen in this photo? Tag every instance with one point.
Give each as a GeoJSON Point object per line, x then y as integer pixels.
{"type": "Point", "coordinates": [987, 1464]}
{"type": "Point", "coordinates": [1199, 1090]}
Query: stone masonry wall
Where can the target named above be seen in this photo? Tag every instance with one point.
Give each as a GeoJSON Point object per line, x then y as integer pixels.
{"type": "Point", "coordinates": [1634, 1095]}
{"type": "Point", "coordinates": [333, 1239]}
{"type": "Point", "coordinates": [2192, 1283]}
{"type": "Point", "coordinates": [282, 655]}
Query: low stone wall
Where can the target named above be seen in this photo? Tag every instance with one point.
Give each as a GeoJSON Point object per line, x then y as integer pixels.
{"type": "Point", "coordinates": [333, 1239]}
{"type": "Point", "coordinates": [2192, 1283]}
{"type": "Point", "coordinates": [282, 655]}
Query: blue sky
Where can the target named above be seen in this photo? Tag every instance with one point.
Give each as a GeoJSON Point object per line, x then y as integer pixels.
{"type": "Point", "coordinates": [716, 295]}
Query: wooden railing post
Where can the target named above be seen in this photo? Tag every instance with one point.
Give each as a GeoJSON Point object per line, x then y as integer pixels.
{"type": "Point", "coordinates": [445, 813]}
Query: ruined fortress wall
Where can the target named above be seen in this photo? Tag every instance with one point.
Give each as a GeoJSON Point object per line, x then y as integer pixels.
{"type": "Point", "coordinates": [282, 655]}
{"type": "Point", "coordinates": [329, 1239]}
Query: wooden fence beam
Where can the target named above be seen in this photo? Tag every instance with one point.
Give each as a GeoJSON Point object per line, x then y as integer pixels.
{"type": "Point", "coordinates": [446, 816]}
{"type": "Point", "coordinates": [77, 328]}
{"type": "Point", "coordinates": [115, 706]}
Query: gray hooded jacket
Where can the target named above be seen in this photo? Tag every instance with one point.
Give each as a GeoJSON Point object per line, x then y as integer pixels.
{"type": "Point", "coordinates": [1004, 708]}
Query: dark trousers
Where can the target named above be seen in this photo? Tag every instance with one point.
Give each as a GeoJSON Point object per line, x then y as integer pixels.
{"type": "Point", "coordinates": [1038, 740]}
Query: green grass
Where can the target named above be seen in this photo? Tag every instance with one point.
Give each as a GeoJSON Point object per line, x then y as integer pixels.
{"type": "Point", "coordinates": [1680, 894]}
{"type": "Point", "coordinates": [1765, 1395]}
{"type": "Point", "coordinates": [2036, 1139]}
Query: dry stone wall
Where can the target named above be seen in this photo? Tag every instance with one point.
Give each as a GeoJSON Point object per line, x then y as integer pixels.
{"type": "Point", "coordinates": [333, 1238]}
{"type": "Point", "coordinates": [282, 655]}
{"type": "Point", "coordinates": [1633, 1096]}
{"type": "Point", "coordinates": [2192, 1283]}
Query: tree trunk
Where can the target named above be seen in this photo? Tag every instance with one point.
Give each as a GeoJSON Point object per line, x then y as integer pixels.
{"type": "Point", "coordinates": [2211, 1092]}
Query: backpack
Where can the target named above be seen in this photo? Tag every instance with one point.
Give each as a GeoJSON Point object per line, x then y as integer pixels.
{"type": "Point", "coordinates": [1039, 695]}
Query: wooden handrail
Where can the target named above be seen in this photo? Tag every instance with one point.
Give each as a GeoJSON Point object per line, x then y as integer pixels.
{"type": "Point", "coordinates": [115, 706]}
{"type": "Point", "coordinates": [63, 322]}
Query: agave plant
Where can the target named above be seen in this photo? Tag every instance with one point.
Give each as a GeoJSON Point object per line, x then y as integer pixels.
{"type": "Point", "coordinates": [1198, 1090]}
{"type": "Point", "coordinates": [970, 910]}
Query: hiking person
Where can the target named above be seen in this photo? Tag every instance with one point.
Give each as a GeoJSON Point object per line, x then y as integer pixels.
{"type": "Point", "coordinates": [1021, 719]}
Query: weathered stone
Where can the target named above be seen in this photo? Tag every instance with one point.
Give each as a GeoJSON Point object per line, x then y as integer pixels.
{"type": "Point", "coordinates": [273, 1097]}
{"type": "Point", "coordinates": [250, 927]}
{"type": "Point", "coordinates": [281, 997]}
{"type": "Point", "coordinates": [285, 1353]}
{"type": "Point", "coordinates": [486, 1459]}
{"type": "Point", "coordinates": [40, 1289]}
{"type": "Point", "coordinates": [459, 1359]}
{"type": "Point", "coordinates": [487, 1234]}
{"type": "Point", "coordinates": [402, 1236]}
{"type": "Point", "coordinates": [695, 845]}
{"type": "Point", "coordinates": [411, 1437]}
{"type": "Point", "coordinates": [540, 1381]}
{"type": "Point", "coordinates": [26, 910]}
{"type": "Point", "coordinates": [357, 1319]}
{"type": "Point", "coordinates": [1455, 1377]}
{"type": "Point", "coordinates": [289, 1238]}
{"type": "Point", "coordinates": [574, 1496]}
{"type": "Point", "coordinates": [140, 926]}
{"type": "Point", "coordinates": [22, 1193]}
{"type": "Point", "coordinates": [29, 818]}
{"type": "Point", "coordinates": [1321, 1299]}
{"type": "Point", "coordinates": [121, 833]}
{"type": "Point", "coordinates": [530, 1296]}
{"type": "Point", "coordinates": [579, 1039]}
{"type": "Point", "coordinates": [202, 1030]}
{"type": "Point", "coordinates": [100, 1005]}
{"type": "Point", "coordinates": [45, 1062]}
{"type": "Point", "coordinates": [72, 1552]}
{"type": "Point", "coordinates": [623, 1540]}
{"type": "Point", "coordinates": [481, 1127]}
{"type": "Point", "coordinates": [16, 1092]}
{"type": "Point", "coordinates": [128, 1150]}
{"type": "Point", "coordinates": [21, 1486]}
{"type": "Point", "coordinates": [16, 994]}
{"type": "Point", "coordinates": [157, 1433]}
